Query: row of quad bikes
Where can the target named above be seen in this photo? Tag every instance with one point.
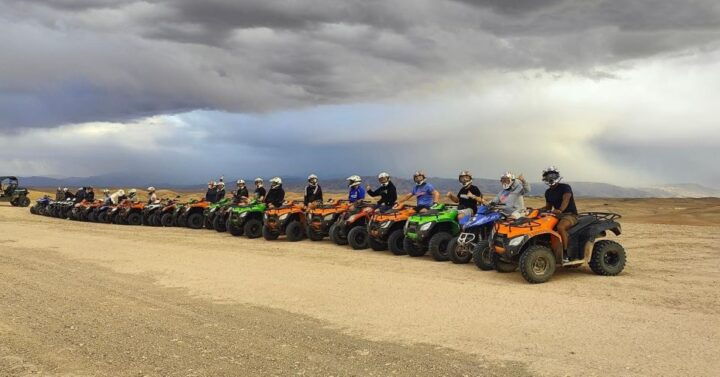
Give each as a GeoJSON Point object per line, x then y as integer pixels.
{"type": "Point", "coordinates": [489, 239]}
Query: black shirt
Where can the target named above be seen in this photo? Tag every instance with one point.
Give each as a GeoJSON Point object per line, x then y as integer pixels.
{"type": "Point", "coordinates": [219, 195]}
{"type": "Point", "coordinates": [210, 195]}
{"type": "Point", "coordinates": [90, 195]}
{"type": "Point", "coordinates": [465, 202]}
{"type": "Point", "coordinates": [387, 194]}
{"type": "Point", "coordinates": [275, 196]}
{"type": "Point", "coordinates": [313, 194]}
{"type": "Point", "coordinates": [69, 195]}
{"type": "Point", "coordinates": [554, 196]}
{"type": "Point", "coordinates": [260, 193]}
{"type": "Point", "coordinates": [240, 193]}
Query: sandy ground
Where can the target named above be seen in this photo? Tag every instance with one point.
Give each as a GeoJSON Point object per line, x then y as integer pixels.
{"type": "Point", "coordinates": [97, 299]}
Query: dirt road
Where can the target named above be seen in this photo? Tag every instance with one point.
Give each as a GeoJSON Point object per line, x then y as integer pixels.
{"type": "Point", "coordinates": [96, 299]}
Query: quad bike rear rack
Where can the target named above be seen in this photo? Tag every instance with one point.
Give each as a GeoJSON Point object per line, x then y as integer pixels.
{"type": "Point", "coordinates": [601, 216]}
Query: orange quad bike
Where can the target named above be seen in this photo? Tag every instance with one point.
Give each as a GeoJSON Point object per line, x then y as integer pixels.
{"type": "Point", "coordinates": [288, 219]}
{"type": "Point", "coordinates": [323, 216]}
{"type": "Point", "coordinates": [386, 229]}
{"type": "Point", "coordinates": [92, 211]}
{"type": "Point", "coordinates": [130, 213]}
{"type": "Point", "coordinates": [80, 210]}
{"type": "Point", "coordinates": [351, 227]}
{"type": "Point", "coordinates": [532, 245]}
{"type": "Point", "coordinates": [193, 214]}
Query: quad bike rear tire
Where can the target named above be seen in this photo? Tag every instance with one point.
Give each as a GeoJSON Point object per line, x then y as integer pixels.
{"type": "Point", "coordinates": [438, 246]}
{"type": "Point", "coordinates": [195, 221]}
{"type": "Point", "coordinates": [33, 210]}
{"type": "Point", "coordinates": [313, 235]}
{"type": "Point", "coordinates": [294, 231]}
{"type": "Point", "coordinates": [253, 228]}
{"type": "Point", "coordinates": [336, 235]}
{"type": "Point", "coordinates": [537, 264]}
{"type": "Point", "coordinates": [358, 238]}
{"type": "Point", "coordinates": [207, 223]}
{"type": "Point", "coordinates": [458, 256]}
{"type": "Point", "coordinates": [608, 258]}
{"type": "Point", "coordinates": [396, 242]}
{"type": "Point", "coordinates": [166, 219]}
{"type": "Point", "coordinates": [23, 201]}
{"type": "Point", "coordinates": [134, 218]}
{"type": "Point", "coordinates": [483, 256]}
{"type": "Point", "coordinates": [413, 249]}
{"type": "Point", "coordinates": [501, 265]}
{"type": "Point", "coordinates": [102, 217]}
{"type": "Point", "coordinates": [376, 244]}
{"type": "Point", "coordinates": [219, 224]}
{"type": "Point", "coordinates": [268, 234]}
{"type": "Point", "coordinates": [92, 216]}
{"type": "Point", "coordinates": [233, 229]}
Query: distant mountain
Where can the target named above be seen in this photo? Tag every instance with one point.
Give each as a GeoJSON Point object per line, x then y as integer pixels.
{"type": "Point", "coordinates": [487, 186]}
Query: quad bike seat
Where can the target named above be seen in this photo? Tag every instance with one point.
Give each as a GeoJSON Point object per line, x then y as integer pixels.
{"type": "Point", "coordinates": [583, 222]}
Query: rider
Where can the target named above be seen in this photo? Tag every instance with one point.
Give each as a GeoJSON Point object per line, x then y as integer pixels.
{"type": "Point", "coordinates": [510, 199]}
{"type": "Point", "coordinates": [211, 192]}
{"type": "Point", "coordinates": [357, 192]}
{"type": "Point", "coordinates": [118, 196]}
{"type": "Point", "coordinates": [59, 194]}
{"type": "Point", "coordinates": [468, 196]}
{"type": "Point", "coordinates": [276, 194]}
{"type": "Point", "coordinates": [106, 197]}
{"type": "Point", "coordinates": [387, 192]}
{"type": "Point", "coordinates": [152, 195]}
{"type": "Point", "coordinates": [425, 193]}
{"type": "Point", "coordinates": [260, 191]}
{"type": "Point", "coordinates": [219, 191]}
{"type": "Point", "coordinates": [241, 194]}
{"type": "Point", "coordinates": [132, 195]}
{"type": "Point", "coordinates": [560, 200]}
{"type": "Point", "coordinates": [89, 194]}
{"type": "Point", "coordinates": [67, 195]}
{"type": "Point", "coordinates": [313, 191]}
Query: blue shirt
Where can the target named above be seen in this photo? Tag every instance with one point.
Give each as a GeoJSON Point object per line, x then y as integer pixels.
{"type": "Point", "coordinates": [424, 194]}
{"type": "Point", "coordinates": [356, 193]}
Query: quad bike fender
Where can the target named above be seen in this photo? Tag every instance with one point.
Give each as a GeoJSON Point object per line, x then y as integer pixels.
{"type": "Point", "coordinates": [551, 238]}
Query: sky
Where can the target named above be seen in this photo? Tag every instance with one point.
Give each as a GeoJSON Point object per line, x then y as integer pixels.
{"type": "Point", "coordinates": [184, 90]}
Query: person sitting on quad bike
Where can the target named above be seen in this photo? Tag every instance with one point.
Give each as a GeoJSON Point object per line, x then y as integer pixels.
{"type": "Point", "coordinates": [276, 195]}
{"type": "Point", "coordinates": [260, 191]}
{"type": "Point", "coordinates": [67, 194]}
{"type": "Point", "coordinates": [313, 192]}
{"type": "Point", "coordinates": [211, 192]}
{"type": "Point", "coordinates": [118, 196]}
{"type": "Point", "coordinates": [89, 194]}
{"type": "Point", "coordinates": [425, 193]}
{"type": "Point", "coordinates": [59, 194]}
{"type": "Point", "coordinates": [510, 201]}
{"type": "Point", "coordinates": [106, 197]}
{"type": "Point", "coordinates": [560, 200]}
{"type": "Point", "coordinates": [219, 191]}
{"type": "Point", "coordinates": [468, 197]}
{"type": "Point", "coordinates": [387, 192]}
{"type": "Point", "coordinates": [241, 194]}
{"type": "Point", "coordinates": [357, 192]}
{"type": "Point", "coordinates": [132, 196]}
{"type": "Point", "coordinates": [152, 196]}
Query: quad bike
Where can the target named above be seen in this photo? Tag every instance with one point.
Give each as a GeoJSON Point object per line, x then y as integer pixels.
{"type": "Point", "coordinates": [166, 214]}
{"type": "Point", "coordinates": [351, 227]}
{"type": "Point", "coordinates": [130, 213]}
{"type": "Point", "coordinates": [152, 213]}
{"type": "Point", "coordinates": [431, 230]}
{"type": "Point", "coordinates": [246, 219]}
{"type": "Point", "coordinates": [81, 210]}
{"type": "Point", "coordinates": [106, 213]}
{"type": "Point", "coordinates": [11, 192]}
{"type": "Point", "coordinates": [41, 205]}
{"type": "Point", "coordinates": [61, 209]}
{"type": "Point", "coordinates": [385, 229]}
{"type": "Point", "coordinates": [323, 216]}
{"type": "Point", "coordinates": [473, 240]}
{"type": "Point", "coordinates": [211, 210]}
{"type": "Point", "coordinates": [92, 210]}
{"type": "Point", "coordinates": [288, 219]}
{"type": "Point", "coordinates": [220, 218]}
{"type": "Point", "coordinates": [191, 214]}
{"type": "Point", "coordinates": [533, 245]}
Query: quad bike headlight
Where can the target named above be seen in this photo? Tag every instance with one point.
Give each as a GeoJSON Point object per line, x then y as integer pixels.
{"type": "Point", "coordinates": [385, 224]}
{"type": "Point", "coordinates": [426, 226]}
{"type": "Point", "coordinates": [265, 217]}
{"type": "Point", "coordinates": [516, 241]}
{"type": "Point", "coordinates": [244, 214]}
{"type": "Point", "coordinates": [329, 217]}
{"type": "Point", "coordinates": [283, 217]}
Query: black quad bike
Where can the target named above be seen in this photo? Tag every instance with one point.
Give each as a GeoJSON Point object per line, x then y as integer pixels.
{"type": "Point", "coordinates": [11, 192]}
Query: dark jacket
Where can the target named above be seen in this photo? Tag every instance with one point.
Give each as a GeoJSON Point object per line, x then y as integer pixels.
{"type": "Point", "coordinates": [69, 195]}
{"type": "Point", "coordinates": [313, 194]}
{"type": "Point", "coordinates": [90, 195]}
{"type": "Point", "coordinates": [243, 192]}
{"type": "Point", "coordinates": [275, 196]}
{"type": "Point", "coordinates": [387, 194]}
{"type": "Point", "coordinates": [219, 195]}
{"type": "Point", "coordinates": [210, 195]}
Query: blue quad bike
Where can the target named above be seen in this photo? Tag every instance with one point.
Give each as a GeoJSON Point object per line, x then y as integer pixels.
{"type": "Point", "coordinates": [473, 241]}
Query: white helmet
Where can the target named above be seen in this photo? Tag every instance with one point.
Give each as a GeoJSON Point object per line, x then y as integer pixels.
{"type": "Point", "coordinates": [419, 181]}
{"type": "Point", "coordinates": [551, 176]}
{"type": "Point", "coordinates": [121, 192]}
{"type": "Point", "coordinates": [354, 180]}
{"type": "Point", "coordinates": [465, 173]}
{"type": "Point", "coordinates": [221, 184]}
{"type": "Point", "coordinates": [151, 189]}
{"type": "Point", "coordinates": [240, 182]}
{"type": "Point", "coordinates": [509, 179]}
{"type": "Point", "coordinates": [65, 189]}
{"type": "Point", "coordinates": [275, 181]}
{"type": "Point", "coordinates": [313, 179]}
{"type": "Point", "coordinates": [383, 177]}
{"type": "Point", "coordinates": [258, 180]}
{"type": "Point", "coordinates": [106, 191]}
{"type": "Point", "coordinates": [132, 192]}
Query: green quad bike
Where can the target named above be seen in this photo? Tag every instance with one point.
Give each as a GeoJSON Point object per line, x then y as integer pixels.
{"type": "Point", "coordinates": [246, 219]}
{"type": "Point", "coordinates": [221, 215]}
{"type": "Point", "coordinates": [432, 230]}
{"type": "Point", "coordinates": [210, 212]}
{"type": "Point", "coordinates": [11, 192]}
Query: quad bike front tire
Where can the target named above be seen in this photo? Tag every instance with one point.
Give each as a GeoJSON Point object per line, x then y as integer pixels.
{"type": "Point", "coordinates": [134, 219]}
{"type": "Point", "coordinates": [537, 264]}
{"type": "Point", "coordinates": [92, 216]}
{"type": "Point", "coordinates": [336, 235]}
{"type": "Point", "coordinates": [233, 229]}
{"type": "Point", "coordinates": [166, 219]}
{"type": "Point", "coordinates": [376, 244]}
{"type": "Point", "coordinates": [253, 228]}
{"type": "Point", "coordinates": [33, 210]}
{"type": "Point", "coordinates": [358, 238]}
{"type": "Point", "coordinates": [23, 201]}
{"type": "Point", "coordinates": [412, 249]}
{"type": "Point", "coordinates": [102, 217]}
{"type": "Point", "coordinates": [438, 246]}
{"type": "Point", "coordinates": [396, 242]}
{"type": "Point", "coordinates": [608, 258]}
{"type": "Point", "coordinates": [501, 265]}
{"type": "Point", "coordinates": [219, 224]}
{"type": "Point", "coordinates": [456, 255]}
{"type": "Point", "coordinates": [294, 231]}
{"type": "Point", "coordinates": [195, 221]}
{"type": "Point", "coordinates": [483, 256]}
{"type": "Point", "coordinates": [268, 234]}
{"type": "Point", "coordinates": [314, 235]}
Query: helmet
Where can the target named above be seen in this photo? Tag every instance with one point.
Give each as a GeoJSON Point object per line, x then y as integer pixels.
{"type": "Point", "coordinates": [551, 176]}
{"type": "Point", "coordinates": [151, 189]}
{"type": "Point", "coordinates": [106, 191]}
{"type": "Point", "coordinates": [275, 181]}
{"type": "Point", "coordinates": [65, 189]}
{"type": "Point", "coordinates": [354, 180]}
{"type": "Point", "coordinates": [240, 182]}
{"type": "Point", "coordinates": [221, 184]}
{"type": "Point", "coordinates": [506, 180]}
{"type": "Point", "coordinates": [383, 177]}
{"type": "Point", "coordinates": [132, 192]}
{"type": "Point", "coordinates": [313, 179]}
{"type": "Point", "coordinates": [465, 173]}
{"type": "Point", "coordinates": [417, 175]}
{"type": "Point", "coordinates": [258, 180]}
{"type": "Point", "coordinates": [121, 192]}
